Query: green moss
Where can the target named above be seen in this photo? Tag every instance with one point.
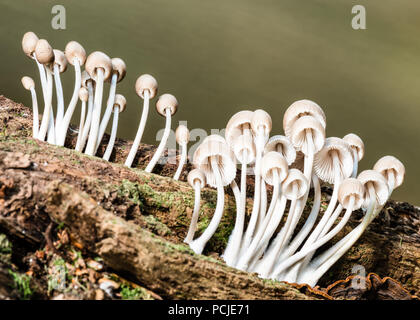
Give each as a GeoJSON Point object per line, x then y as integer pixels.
{"type": "Point", "coordinates": [5, 249]}
{"type": "Point", "coordinates": [156, 226]}
{"type": "Point", "coordinates": [22, 283]}
{"type": "Point", "coordinates": [129, 293]}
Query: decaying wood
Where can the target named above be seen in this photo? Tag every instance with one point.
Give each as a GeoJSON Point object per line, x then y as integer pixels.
{"type": "Point", "coordinates": [151, 214]}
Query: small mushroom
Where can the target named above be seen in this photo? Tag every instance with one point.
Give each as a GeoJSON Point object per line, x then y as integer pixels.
{"type": "Point", "coordinates": [182, 135]}
{"type": "Point", "coordinates": [146, 88]}
{"type": "Point", "coordinates": [119, 106]}
{"type": "Point", "coordinates": [99, 67]}
{"type": "Point", "coordinates": [59, 66]}
{"type": "Point", "coordinates": [197, 181]}
{"type": "Point", "coordinates": [215, 159]}
{"type": "Point", "coordinates": [88, 83]}
{"type": "Point", "coordinates": [392, 169]}
{"type": "Point", "coordinates": [166, 106]}
{"type": "Point", "coordinates": [29, 84]}
{"type": "Point", "coordinates": [358, 150]}
{"type": "Point", "coordinates": [118, 73]}
{"type": "Point", "coordinates": [76, 56]}
{"type": "Point", "coordinates": [83, 96]}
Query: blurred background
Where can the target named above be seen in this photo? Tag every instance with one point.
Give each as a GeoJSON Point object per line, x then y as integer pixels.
{"type": "Point", "coordinates": [218, 57]}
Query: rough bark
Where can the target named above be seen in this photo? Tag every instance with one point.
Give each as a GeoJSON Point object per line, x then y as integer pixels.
{"type": "Point", "coordinates": [136, 222]}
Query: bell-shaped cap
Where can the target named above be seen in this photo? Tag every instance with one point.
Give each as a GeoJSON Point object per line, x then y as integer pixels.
{"type": "Point", "coordinates": [166, 101]}
{"type": "Point", "coordinates": [299, 138]}
{"type": "Point", "coordinates": [44, 52]}
{"type": "Point", "coordinates": [351, 187]}
{"type": "Point", "coordinates": [98, 60]}
{"type": "Point", "coordinates": [295, 180]}
{"type": "Point", "coordinates": [324, 160]}
{"type": "Point", "coordinates": [74, 50]}
{"type": "Point", "coordinates": [299, 109]}
{"type": "Point", "coordinates": [182, 135]}
{"type": "Point", "coordinates": [120, 102]}
{"type": "Point", "coordinates": [196, 175]}
{"type": "Point", "coordinates": [356, 144]}
{"type": "Point", "coordinates": [86, 78]}
{"type": "Point", "coordinates": [119, 67]}
{"type": "Point", "coordinates": [237, 125]}
{"type": "Point", "coordinates": [261, 118]}
{"type": "Point", "coordinates": [28, 83]}
{"type": "Point", "coordinates": [389, 163]}
{"type": "Point", "coordinates": [216, 147]}
{"type": "Point", "coordinates": [146, 82]}
{"type": "Point", "coordinates": [241, 144]}
{"type": "Point", "coordinates": [83, 94]}
{"type": "Point", "coordinates": [29, 42]}
{"type": "Point", "coordinates": [283, 145]}
{"type": "Point", "coordinates": [372, 178]}
{"type": "Point", "coordinates": [60, 60]}
{"type": "Point", "coordinates": [273, 162]}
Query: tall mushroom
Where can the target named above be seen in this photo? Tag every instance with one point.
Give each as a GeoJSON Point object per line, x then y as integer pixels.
{"type": "Point", "coordinates": [119, 70]}
{"type": "Point", "coordinates": [182, 135]}
{"type": "Point", "coordinates": [99, 67]}
{"type": "Point", "coordinates": [59, 66]}
{"type": "Point", "coordinates": [88, 83]}
{"type": "Point", "coordinates": [146, 88]}
{"type": "Point", "coordinates": [218, 164]}
{"type": "Point", "coordinates": [29, 84]}
{"type": "Point", "coordinates": [358, 150]}
{"type": "Point", "coordinates": [166, 106]}
{"type": "Point", "coordinates": [83, 96]}
{"type": "Point", "coordinates": [197, 181]}
{"type": "Point", "coordinates": [119, 106]}
{"type": "Point", "coordinates": [76, 56]}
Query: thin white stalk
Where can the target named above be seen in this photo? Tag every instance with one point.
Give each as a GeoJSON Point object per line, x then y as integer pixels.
{"type": "Point", "coordinates": [60, 98]}
{"type": "Point", "coordinates": [140, 130]}
{"type": "Point", "coordinates": [35, 111]}
{"type": "Point", "coordinates": [263, 206]}
{"type": "Point", "coordinates": [196, 213]}
{"type": "Point", "coordinates": [86, 125]}
{"type": "Point", "coordinates": [113, 135]}
{"type": "Point", "coordinates": [108, 110]}
{"type": "Point", "coordinates": [65, 122]}
{"type": "Point", "coordinates": [198, 244]}
{"type": "Point", "coordinates": [182, 161]}
{"type": "Point", "coordinates": [81, 125]}
{"type": "Point", "coordinates": [51, 127]}
{"type": "Point", "coordinates": [162, 144]}
{"type": "Point", "coordinates": [47, 109]}
{"type": "Point", "coordinates": [96, 115]}
{"type": "Point", "coordinates": [355, 163]}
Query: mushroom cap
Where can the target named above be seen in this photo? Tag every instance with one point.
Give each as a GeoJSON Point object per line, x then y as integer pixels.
{"type": "Point", "coordinates": [261, 118]}
{"type": "Point", "coordinates": [44, 52]}
{"type": "Point", "coordinates": [194, 175]}
{"type": "Point", "coordinates": [298, 134]}
{"type": "Point", "coordinates": [355, 143]}
{"type": "Point", "coordinates": [146, 82]}
{"type": "Point", "coordinates": [119, 67]}
{"type": "Point", "coordinates": [271, 162]}
{"type": "Point", "coordinates": [287, 149]}
{"type": "Point", "coordinates": [351, 187]}
{"type": "Point", "coordinates": [297, 178]}
{"type": "Point", "coordinates": [86, 78]}
{"type": "Point", "coordinates": [165, 101]}
{"type": "Point", "coordinates": [182, 134]}
{"type": "Point", "coordinates": [28, 83]}
{"type": "Point", "coordinates": [83, 94]}
{"type": "Point", "coordinates": [242, 143]}
{"type": "Point", "coordinates": [299, 162]}
{"type": "Point", "coordinates": [379, 183]}
{"type": "Point", "coordinates": [60, 60]}
{"type": "Point", "coordinates": [98, 60]}
{"type": "Point", "coordinates": [75, 50]}
{"type": "Point", "coordinates": [120, 102]}
{"type": "Point", "coordinates": [324, 164]}
{"type": "Point", "coordinates": [236, 125]}
{"type": "Point", "coordinates": [29, 41]}
{"type": "Point", "coordinates": [390, 163]}
{"type": "Point", "coordinates": [215, 146]}
{"type": "Point", "coordinates": [299, 109]}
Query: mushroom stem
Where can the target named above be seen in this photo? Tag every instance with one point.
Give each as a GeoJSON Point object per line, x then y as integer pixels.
{"type": "Point", "coordinates": [35, 120]}
{"type": "Point", "coordinates": [65, 122]}
{"type": "Point", "coordinates": [196, 213]}
{"type": "Point", "coordinates": [108, 110]}
{"type": "Point", "coordinates": [86, 125]}
{"type": "Point", "coordinates": [355, 162]}
{"type": "Point", "coordinates": [140, 130]}
{"type": "Point", "coordinates": [81, 126]}
{"type": "Point", "coordinates": [47, 108]}
{"type": "Point", "coordinates": [182, 161]}
{"type": "Point", "coordinates": [96, 114]}
{"type": "Point", "coordinates": [60, 98]}
{"type": "Point", "coordinates": [111, 141]}
{"type": "Point", "coordinates": [51, 126]}
{"type": "Point", "coordinates": [162, 143]}
{"type": "Point", "coordinates": [198, 245]}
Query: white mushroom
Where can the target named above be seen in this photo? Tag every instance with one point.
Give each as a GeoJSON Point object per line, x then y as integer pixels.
{"type": "Point", "coordinates": [119, 106]}
{"type": "Point", "coordinates": [59, 66]}
{"type": "Point", "coordinates": [83, 96]}
{"type": "Point", "coordinates": [29, 84]}
{"type": "Point", "coordinates": [88, 83]}
{"type": "Point", "coordinates": [182, 135]}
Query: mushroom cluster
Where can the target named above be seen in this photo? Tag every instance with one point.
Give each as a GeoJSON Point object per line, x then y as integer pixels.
{"type": "Point", "coordinates": [272, 244]}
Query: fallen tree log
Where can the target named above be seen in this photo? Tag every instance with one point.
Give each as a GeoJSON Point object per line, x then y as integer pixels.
{"type": "Point", "coordinates": [152, 215]}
